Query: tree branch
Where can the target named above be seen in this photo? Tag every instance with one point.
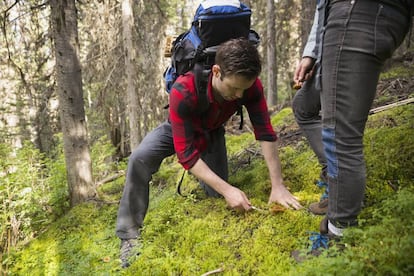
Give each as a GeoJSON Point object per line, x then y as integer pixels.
{"type": "Point", "coordinates": [3, 26]}
{"type": "Point", "coordinates": [110, 178]}
{"type": "Point", "coordinates": [218, 270]}
{"type": "Point", "coordinates": [389, 106]}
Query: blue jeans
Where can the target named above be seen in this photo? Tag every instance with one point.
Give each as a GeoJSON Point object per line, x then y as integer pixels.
{"type": "Point", "coordinates": [145, 160]}
{"type": "Point", "coordinates": [360, 35]}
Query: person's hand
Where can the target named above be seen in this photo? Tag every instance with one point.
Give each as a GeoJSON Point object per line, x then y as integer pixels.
{"type": "Point", "coordinates": [281, 195]}
{"type": "Point", "coordinates": [304, 70]}
{"type": "Point", "coordinates": [237, 200]}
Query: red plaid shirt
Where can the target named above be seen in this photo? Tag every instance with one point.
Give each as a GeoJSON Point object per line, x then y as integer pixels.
{"type": "Point", "coordinates": [189, 126]}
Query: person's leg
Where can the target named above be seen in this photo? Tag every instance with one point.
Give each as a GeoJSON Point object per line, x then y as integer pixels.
{"type": "Point", "coordinates": [359, 37]}
{"type": "Point", "coordinates": [216, 158]}
{"type": "Point", "coordinates": [144, 161]}
{"type": "Point", "coordinates": [306, 108]}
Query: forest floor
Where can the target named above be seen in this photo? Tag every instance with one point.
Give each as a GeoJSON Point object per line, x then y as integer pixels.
{"type": "Point", "coordinates": [195, 235]}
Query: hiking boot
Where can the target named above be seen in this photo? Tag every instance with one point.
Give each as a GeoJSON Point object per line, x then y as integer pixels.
{"type": "Point", "coordinates": [319, 208]}
{"type": "Point", "coordinates": [129, 248]}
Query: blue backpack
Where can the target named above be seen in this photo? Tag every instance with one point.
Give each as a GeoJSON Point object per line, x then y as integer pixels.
{"type": "Point", "coordinates": [214, 23]}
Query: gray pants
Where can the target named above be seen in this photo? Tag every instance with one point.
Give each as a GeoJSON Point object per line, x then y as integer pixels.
{"type": "Point", "coordinates": [145, 160]}
{"type": "Point", "coordinates": [359, 37]}
{"type": "Point", "coordinates": [306, 108]}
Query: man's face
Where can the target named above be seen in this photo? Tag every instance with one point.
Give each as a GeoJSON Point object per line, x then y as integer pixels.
{"type": "Point", "coordinates": [231, 87]}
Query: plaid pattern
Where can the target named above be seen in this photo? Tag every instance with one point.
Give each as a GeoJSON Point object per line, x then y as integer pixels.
{"type": "Point", "coordinates": [191, 129]}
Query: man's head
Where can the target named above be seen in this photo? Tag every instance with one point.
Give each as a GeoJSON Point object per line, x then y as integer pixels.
{"type": "Point", "coordinates": [237, 65]}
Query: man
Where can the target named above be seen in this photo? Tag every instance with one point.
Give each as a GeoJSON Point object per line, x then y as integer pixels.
{"type": "Point", "coordinates": [358, 37]}
{"type": "Point", "coordinates": [198, 139]}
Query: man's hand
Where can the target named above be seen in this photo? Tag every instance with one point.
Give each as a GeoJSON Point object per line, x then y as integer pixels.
{"type": "Point", "coordinates": [237, 199]}
{"type": "Point", "coordinates": [304, 70]}
{"type": "Point", "coordinates": [281, 195]}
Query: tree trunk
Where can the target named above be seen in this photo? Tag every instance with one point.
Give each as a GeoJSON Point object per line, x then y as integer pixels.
{"type": "Point", "coordinates": [130, 59]}
{"type": "Point", "coordinates": [308, 12]}
{"type": "Point", "coordinates": [248, 3]}
{"type": "Point", "coordinates": [271, 55]}
{"type": "Point", "coordinates": [43, 122]}
{"type": "Point", "coordinates": [71, 103]}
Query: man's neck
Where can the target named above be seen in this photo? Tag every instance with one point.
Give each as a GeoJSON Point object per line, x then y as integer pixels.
{"type": "Point", "coordinates": [216, 95]}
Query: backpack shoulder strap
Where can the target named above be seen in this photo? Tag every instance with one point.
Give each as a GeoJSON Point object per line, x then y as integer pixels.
{"type": "Point", "coordinates": [201, 76]}
{"type": "Point", "coordinates": [240, 113]}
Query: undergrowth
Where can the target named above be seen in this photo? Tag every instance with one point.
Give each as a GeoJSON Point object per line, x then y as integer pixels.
{"type": "Point", "coordinates": [193, 235]}
{"type": "Point", "coordinates": [33, 193]}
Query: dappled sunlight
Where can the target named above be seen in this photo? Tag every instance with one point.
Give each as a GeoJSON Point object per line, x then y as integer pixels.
{"type": "Point", "coordinates": [83, 166]}
{"type": "Point", "coordinates": [83, 82]}
{"type": "Point", "coordinates": [193, 235]}
{"type": "Point", "coordinates": [52, 258]}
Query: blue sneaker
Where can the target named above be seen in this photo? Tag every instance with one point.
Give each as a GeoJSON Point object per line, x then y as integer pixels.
{"type": "Point", "coordinates": [319, 242]}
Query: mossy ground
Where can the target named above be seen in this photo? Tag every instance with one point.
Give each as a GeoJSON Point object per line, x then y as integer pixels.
{"type": "Point", "coordinates": [193, 235]}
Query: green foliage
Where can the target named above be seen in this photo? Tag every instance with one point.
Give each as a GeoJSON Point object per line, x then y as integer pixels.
{"type": "Point", "coordinates": [193, 235]}
{"type": "Point", "coordinates": [70, 239]}
{"type": "Point", "coordinates": [389, 145]}
{"type": "Point", "coordinates": [386, 248]}
{"type": "Point", "coordinates": [102, 152]}
{"type": "Point", "coordinates": [236, 144]}
{"type": "Point", "coordinates": [300, 169]}
{"type": "Point", "coordinates": [397, 72]}
{"type": "Point", "coordinates": [32, 195]}
{"type": "Point", "coordinates": [283, 118]}
{"type": "Point", "coordinates": [55, 177]}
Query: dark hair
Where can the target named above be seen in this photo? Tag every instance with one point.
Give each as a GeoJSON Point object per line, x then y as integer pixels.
{"type": "Point", "coordinates": [238, 57]}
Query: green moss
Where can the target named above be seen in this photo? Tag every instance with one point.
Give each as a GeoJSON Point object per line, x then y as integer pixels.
{"type": "Point", "coordinates": [283, 117]}
{"type": "Point", "coordinates": [300, 167]}
{"type": "Point", "coordinates": [78, 244]}
{"type": "Point", "coordinates": [386, 248]}
{"type": "Point", "coordinates": [236, 144]}
{"type": "Point", "coordinates": [389, 145]}
{"type": "Point", "coordinates": [193, 235]}
{"type": "Point", "coordinates": [397, 72]}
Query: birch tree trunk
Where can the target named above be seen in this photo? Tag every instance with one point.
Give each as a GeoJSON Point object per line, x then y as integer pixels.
{"type": "Point", "coordinates": [71, 103]}
{"type": "Point", "coordinates": [271, 55]}
{"type": "Point", "coordinates": [130, 58]}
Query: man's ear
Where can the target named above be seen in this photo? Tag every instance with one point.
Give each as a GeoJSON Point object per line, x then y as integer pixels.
{"type": "Point", "coordinates": [216, 70]}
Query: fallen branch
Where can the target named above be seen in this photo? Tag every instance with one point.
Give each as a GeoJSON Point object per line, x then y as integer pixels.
{"type": "Point", "coordinates": [102, 201]}
{"type": "Point", "coordinates": [288, 135]}
{"type": "Point", "coordinates": [218, 270]}
{"type": "Point", "coordinates": [110, 178]}
{"type": "Point", "coordinates": [389, 106]}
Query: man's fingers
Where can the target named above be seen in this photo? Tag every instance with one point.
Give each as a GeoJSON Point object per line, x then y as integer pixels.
{"type": "Point", "coordinates": [295, 204]}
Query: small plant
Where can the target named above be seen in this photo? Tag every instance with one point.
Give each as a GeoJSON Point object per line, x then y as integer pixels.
{"type": "Point", "coordinates": [33, 194]}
